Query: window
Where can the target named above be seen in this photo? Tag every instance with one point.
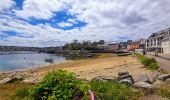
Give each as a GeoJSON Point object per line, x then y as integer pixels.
{"type": "Point", "coordinates": [155, 40]}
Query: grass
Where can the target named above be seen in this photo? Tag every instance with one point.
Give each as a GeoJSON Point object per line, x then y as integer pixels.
{"type": "Point", "coordinates": [7, 91]}
{"type": "Point", "coordinates": [112, 90]}
{"type": "Point", "coordinates": [163, 90]}
{"type": "Point", "coordinates": [149, 63]}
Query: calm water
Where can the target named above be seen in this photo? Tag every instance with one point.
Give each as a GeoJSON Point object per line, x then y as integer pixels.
{"type": "Point", "coordinates": [12, 62]}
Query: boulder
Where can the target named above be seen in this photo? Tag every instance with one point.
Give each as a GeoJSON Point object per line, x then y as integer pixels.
{"type": "Point", "coordinates": [153, 76]}
{"type": "Point", "coordinates": [163, 77]}
{"type": "Point", "coordinates": [123, 73]}
{"type": "Point", "coordinates": [10, 80]}
{"type": "Point", "coordinates": [158, 83]}
{"type": "Point", "coordinates": [30, 81]}
{"type": "Point", "coordinates": [143, 85]}
{"type": "Point", "coordinates": [143, 78]}
{"type": "Point", "coordinates": [124, 77]}
{"type": "Point", "coordinates": [104, 78]}
{"type": "Point", "coordinates": [5, 80]}
{"type": "Point", "coordinates": [168, 80]}
{"type": "Point", "coordinates": [126, 81]}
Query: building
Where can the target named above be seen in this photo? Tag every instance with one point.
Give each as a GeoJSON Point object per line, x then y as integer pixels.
{"type": "Point", "coordinates": [132, 46]}
{"type": "Point", "coordinates": [129, 41]}
{"type": "Point", "coordinates": [166, 44]}
{"type": "Point", "coordinates": [142, 44]}
{"type": "Point", "coordinates": [114, 46]}
{"type": "Point", "coordinates": [122, 45]}
{"type": "Point", "coordinates": [154, 42]}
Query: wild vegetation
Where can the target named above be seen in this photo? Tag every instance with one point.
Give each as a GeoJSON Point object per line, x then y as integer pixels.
{"type": "Point", "coordinates": [112, 90]}
{"type": "Point", "coordinates": [150, 63]}
{"type": "Point", "coordinates": [64, 85]}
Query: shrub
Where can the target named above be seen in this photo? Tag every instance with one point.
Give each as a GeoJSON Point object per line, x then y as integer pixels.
{"type": "Point", "coordinates": [59, 85]}
{"type": "Point", "coordinates": [153, 66]}
{"type": "Point", "coordinates": [112, 90]}
{"type": "Point", "coordinates": [148, 62]}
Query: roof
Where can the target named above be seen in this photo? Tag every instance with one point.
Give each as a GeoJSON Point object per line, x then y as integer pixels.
{"type": "Point", "coordinates": [159, 33]}
{"type": "Point", "coordinates": [167, 38]}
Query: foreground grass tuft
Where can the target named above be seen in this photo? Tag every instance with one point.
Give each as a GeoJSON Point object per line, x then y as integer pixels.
{"type": "Point", "coordinates": [112, 90]}
{"type": "Point", "coordinates": [7, 91]}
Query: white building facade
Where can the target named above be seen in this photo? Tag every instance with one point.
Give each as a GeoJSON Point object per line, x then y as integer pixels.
{"type": "Point", "coordinates": [154, 42]}
{"type": "Point", "coordinates": [166, 44]}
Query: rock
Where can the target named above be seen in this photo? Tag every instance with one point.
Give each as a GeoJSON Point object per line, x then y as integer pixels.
{"type": "Point", "coordinates": [153, 76]}
{"type": "Point", "coordinates": [163, 77]}
{"type": "Point", "coordinates": [123, 73]}
{"type": "Point", "coordinates": [158, 83]}
{"type": "Point", "coordinates": [5, 80]}
{"type": "Point", "coordinates": [168, 80]}
{"type": "Point", "coordinates": [143, 85]}
{"type": "Point", "coordinates": [143, 78]}
{"type": "Point", "coordinates": [104, 78]}
{"type": "Point", "coordinates": [124, 77]}
{"type": "Point", "coordinates": [126, 81]}
{"type": "Point", "coordinates": [30, 81]}
{"type": "Point", "coordinates": [10, 80]}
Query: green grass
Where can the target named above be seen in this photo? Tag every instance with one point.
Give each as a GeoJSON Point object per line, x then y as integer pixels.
{"type": "Point", "coordinates": [112, 90]}
{"type": "Point", "coordinates": [149, 63]}
{"type": "Point", "coordinates": [165, 92]}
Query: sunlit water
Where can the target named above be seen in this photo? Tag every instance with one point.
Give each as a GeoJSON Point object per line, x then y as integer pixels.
{"type": "Point", "coordinates": [10, 62]}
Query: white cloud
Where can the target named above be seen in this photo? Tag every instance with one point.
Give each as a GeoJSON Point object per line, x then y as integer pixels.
{"type": "Point", "coordinates": [64, 24]}
{"type": "Point", "coordinates": [6, 4]}
{"type": "Point", "coordinates": [73, 21]}
{"type": "Point", "coordinates": [106, 19]}
{"type": "Point", "coordinates": [39, 9]}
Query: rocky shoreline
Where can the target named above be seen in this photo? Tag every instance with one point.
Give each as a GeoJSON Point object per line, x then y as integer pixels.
{"type": "Point", "coordinates": [142, 82]}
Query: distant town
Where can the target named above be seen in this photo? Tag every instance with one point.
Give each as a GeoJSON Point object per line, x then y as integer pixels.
{"type": "Point", "coordinates": [157, 41]}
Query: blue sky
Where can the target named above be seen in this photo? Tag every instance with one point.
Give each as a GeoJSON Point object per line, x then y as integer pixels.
{"type": "Point", "coordinates": [56, 22]}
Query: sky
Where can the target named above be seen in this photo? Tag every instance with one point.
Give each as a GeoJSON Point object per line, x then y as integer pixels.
{"type": "Point", "coordinates": [56, 22]}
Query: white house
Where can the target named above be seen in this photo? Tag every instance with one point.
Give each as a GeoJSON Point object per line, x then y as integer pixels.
{"type": "Point", "coordinates": [166, 44]}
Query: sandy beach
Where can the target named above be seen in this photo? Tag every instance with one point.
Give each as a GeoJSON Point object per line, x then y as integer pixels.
{"type": "Point", "coordinates": [105, 65]}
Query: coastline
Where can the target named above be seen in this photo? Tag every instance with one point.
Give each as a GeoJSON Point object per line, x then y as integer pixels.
{"type": "Point", "coordinates": [106, 65]}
